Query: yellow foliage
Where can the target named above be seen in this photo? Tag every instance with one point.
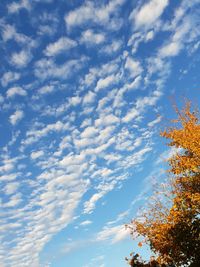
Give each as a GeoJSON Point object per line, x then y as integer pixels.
{"type": "Point", "coordinates": [173, 232]}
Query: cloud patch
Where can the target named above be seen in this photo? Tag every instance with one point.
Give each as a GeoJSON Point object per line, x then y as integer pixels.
{"type": "Point", "coordinates": [13, 91]}
{"type": "Point", "coordinates": [61, 45]}
{"type": "Point", "coordinates": [149, 13]}
{"type": "Point", "coordinates": [21, 59]}
{"type": "Point", "coordinates": [16, 117]}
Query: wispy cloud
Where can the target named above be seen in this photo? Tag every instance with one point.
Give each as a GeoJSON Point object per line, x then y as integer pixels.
{"type": "Point", "coordinates": [21, 59]}
{"type": "Point", "coordinates": [14, 7]}
{"type": "Point", "coordinates": [149, 13]}
{"type": "Point", "coordinates": [90, 37]}
{"type": "Point", "coordinates": [61, 45]}
{"type": "Point", "coordinates": [9, 77]}
{"type": "Point", "coordinates": [47, 68]}
{"type": "Point", "coordinates": [16, 117]}
{"type": "Point", "coordinates": [13, 91]}
{"type": "Point", "coordinates": [37, 154]}
{"type": "Point", "coordinates": [133, 66]}
{"type": "Point", "coordinates": [89, 13]}
{"type": "Point", "coordinates": [113, 234]}
{"type": "Point", "coordinates": [85, 223]}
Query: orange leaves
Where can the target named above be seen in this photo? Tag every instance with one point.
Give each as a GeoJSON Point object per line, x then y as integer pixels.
{"type": "Point", "coordinates": [187, 137]}
{"type": "Point", "coordinates": [172, 223]}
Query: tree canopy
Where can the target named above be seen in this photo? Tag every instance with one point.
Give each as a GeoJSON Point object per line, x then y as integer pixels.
{"type": "Point", "coordinates": [171, 224]}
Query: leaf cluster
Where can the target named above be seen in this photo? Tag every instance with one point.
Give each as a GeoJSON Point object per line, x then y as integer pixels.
{"type": "Point", "coordinates": [173, 230]}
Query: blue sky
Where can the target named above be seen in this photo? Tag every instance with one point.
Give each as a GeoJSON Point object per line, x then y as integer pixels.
{"type": "Point", "coordinates": [86, 87]}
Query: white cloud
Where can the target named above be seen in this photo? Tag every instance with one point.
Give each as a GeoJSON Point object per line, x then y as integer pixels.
{"type": "Point", "coordinates": [170, 50]}
{"type": "Point", "coordinates": [133, 66]}
{"type": "Point", "coordinates": [63, 44]}
{"type": "Point", "coordinates": [17, 90]}
{"type": "Point", "coordinates": [85, 223]}
{"type": "Point", "coordinates": [89, 205]}
{"type": "Point", "coordinates": [11, 188]}
{"type": "Point", "coordinates": [14, 7]}
{"type": "Point", "coordinates": [149, 36]}
{"type": "Point", "coordinates": [179, 37]}
{"type": "Point", "coordinates": [113, 234]}
{"type": "Point", "coordinates": [86, 122]}
{"type": "Point", "coordinates": [57, 206]}
{"type": "Point", "coordinates": [47, 68]}
{"type": "Point", "coordinates": [138, 37]}
{"type": "Point", "coordinates": [8, 32]}
{"type": "Point", "coordinates": [1, 99]}
{"type": "Point", "coordinates": [150, 100]}
{"type": "Point", "coordinates": [16, 117]}
{"type": "Point", "coordinates": [149, 13]}
{"type": "Point", "coordinates": [181, 12]}
{"type": "Point", "coordinates": [106, 133]}
{"type": "Point", "coordinates": [9, 77]}
{"type": "Point", "coordinates": [7, 165]}
{"type": "Point", "coordinates": [21, 59]}
{"type": "Point", "coordinates": [75, 100]}
{"type": "Point", "coordinates": [134, 84]}
{"type": "Point", "coordinates": [14, 201]}
{"type": "Point", "coordinates": [120, 217]}
{"type": "Point", "coordinates": [155, 64]}
{"type": "Point", "coordinates": [37, 154]}
{"type": "Point", "coordinates": [154, 122]}
{"type": "Point", "coordinates": [89, 132]}
{"type": "Point", "coordinates": [107, 120]}
{"type": "Point", "coordinates": [72, 160]}
{"type": "Point", "coordinates": [8, 177]}
{"type": "Point", "coordinates": [90, 37]}
{"type": "Point", "coordinates": [46, 89]}
{"type": "Point", "coordinates": [83, 142]}
{"type": "Point", "coordinates": [89, 98]}
{"type": "Point", "coordinates": [91, 13]}
{"type": "Point", "coordinates": [80, 15]}
{"type": "Point", "coordinates": [95, 73]}
{"type": "Point", "coordinates": [131, 114]}
{"type": "Point", "coordinates": [136, 158]}
{"type": "Point", "coordinates": [76, 245]}
{"type": "Point", "coordinates": [46, 30]}
{"type": "Point", "coordinates": [35, 135]}
{"type": "Point", "coordinates": [105, 82]}
{"type": "Point", "coordinates": [111, 48]}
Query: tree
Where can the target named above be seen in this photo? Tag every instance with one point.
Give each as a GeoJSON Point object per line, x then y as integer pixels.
{"type": "Point", "coordinates": [136, 261]}
{"type": "Point", "coordinates": [171, 224]}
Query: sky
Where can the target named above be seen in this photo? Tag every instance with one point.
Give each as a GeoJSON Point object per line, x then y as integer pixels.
{"type": "Point", "coordinates": [86, 87]}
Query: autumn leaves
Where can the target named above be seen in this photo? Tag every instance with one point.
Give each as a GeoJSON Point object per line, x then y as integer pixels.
{"type": "Point", "coordinates": [171, 226]}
